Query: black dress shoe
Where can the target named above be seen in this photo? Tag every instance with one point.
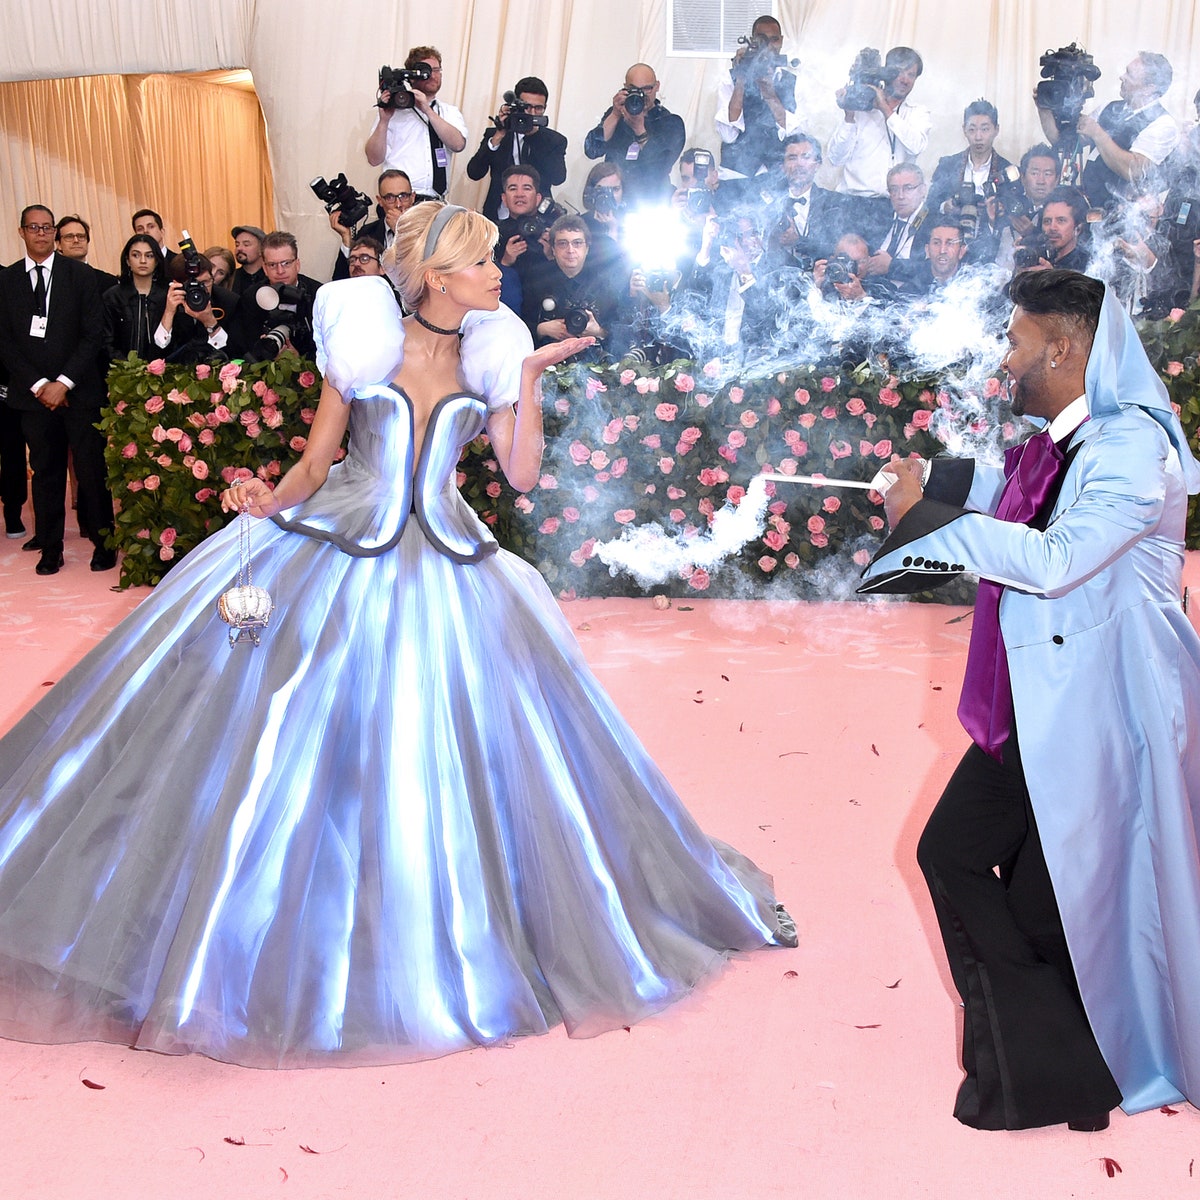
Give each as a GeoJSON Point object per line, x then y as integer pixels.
{"type": "Point", "coordinates": [32, 544]}
{"type": "Point", "coordinates": [103, 559]}
{"type": "Point", "coordinates": [14, 527]}
{"type": "Point", "coordinates": [50, 562]}
{"type": "Point", "coordinates": [1089, 1124]}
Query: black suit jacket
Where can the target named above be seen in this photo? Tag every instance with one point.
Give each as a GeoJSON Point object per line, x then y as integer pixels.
{"type": "Point", "coordinates": [826, 221]}
{"type": "Point", "coordinates": [376, 229]}
{"type": "Point", "coordinates": [545, 151]}
{"type": "Point", "coordinates": [74, 341]}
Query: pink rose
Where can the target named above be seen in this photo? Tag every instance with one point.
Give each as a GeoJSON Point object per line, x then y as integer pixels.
{"type": "Point", "coordinates": [773, 406]}
{"type": "Point", "coordinates": [259, 388]}
{"type": "Point", "coordinates": [200, 469]}
{"type": "Point", "coordinates": [306, 379]}
{"type": "Point", "coordinates": [129, 450]}
{"type": "Point", "coordinates": [774, 539]}
{"type": "Point", "coordinates": [642, 385]}
{"type": "Point", "coordinates": [631, 422]}
{"type": "Point", "coordinates": [177, 397]}
{"type": "Point", "coordinates": [203, 370]}
{"type": "Point", "coordinates": [624, 515]}
{"type": "Point", "coordinates": [593, 387]}
{"type": "Point", "coordinates": [308, 415]}
{"type": "Point", "coordinates": [728, 453]}
{"type": "Point", "coordinates": [703, 399]}
{"type": "Point", "coordinates": [580, 556]}
{"type": "Point", "coordinates": [155, 404]}
{"type": "Point", "coordinates": [861, 557]}
{"type": "Point", "coordinates": [808, 420]}
{"type": "Point", "coordinates": [831, 504]}
{"type": "Point", "coordinates": [666, 465]}
{"type": "Point", "coordinates": [562, 406]}
{"type": "Point", "coordinates": [856, 406]}
{"type": "Point", "coordinates": [230, 370]}
{"type": "Point", "coordinates": [921, 418]}
{"type": "Point", "coordinates": [650, 489]}
{"type": "Point", "coordinates": [157, 367]}
{"type": "Point", "coordinates": [599, 460]}
{"type": "Point", "coordinates": [627, 377]}
{"type": "Point", "coordinates": [819, 540]}
{"type": "Point", "coordinates": [828, 384]}
{"type": "Point", "coordinates": [185, 444]}
{"type": "Point", "coordinates": [736, 438]}
{"type": "Point", "coordinates": [207, 437]}
{"type": "Point", "coordinates": [523, 504]}
{"type": "Point", "coordinates": [579, 453]}
{"type": "Point", "coordinates": [802, 396]}
{"type": "Point", "coordinates": [223, 414]}
{"type": "Point", "coordinates": [152, 483]}
{"type": "Point", "coordinates": [868, 419]}
{"type": "Point", "coordinates": [749, 419]}
{"type": "Point", "coordinates": [840, 449]}
{"type": "Point", "coordinates": [712, 368]}
{"type": "Point", "coordinates": [699, 579]}
{"type": "Point", "coordinates": [787, 466]}
{"type": "Point", "coordinates": [602, 476]}
{"type": "Point", "coordinates": [549, 525]}
{"type": "Point", "coordinates": [163, 460]}
{"type": "Point", "coordinates": [612, 431]}
{"type": "Point", "coordinates": [829, 412]}
{"type": "Point", "coordinates": [711, 476]}
{"type": "Point", "coordinates": [571, 514]}
{"type": "Point", "coordinates": [691, 435]}
{"type": "Point", "coordinates": [815, 523]}
{"type": "Point", "coordinates": [652, 441]}
{"type": "Point", "coordinates": [175, 433]}
{"type": "Point", "coordinates": [991, 389]}
{"type": "Point", "coordinates": [792, 560]}
{"type": "Point", "coordinates": [707, 507]}
{"type": "Point", "coordinates": [547, 483]}
{"type": "Point", "coordinates": [674, 493]}
{"type": "Point", "coordinates": [889, 397]}
{"type": "Point", "coordinates": [248, 417]}
{"type": "Point", "coordinates": [767, 563]}
{"type": "Point", "coordinates": [865, 448]}
{"type": "Point", "coordinates": [135, 485]}
{"type": "Point", "coordinates": [677, 515]}
{"type": "Point", "coordinates": [272, 418]}
{"type": "Point", "coordinates": [158, 434]}
{"type": "Point", "coordinates": [493, 489]}
{"type": "Point", "coordinates": [298, 443]}
{"type": "Point", "coordinates": [684, 383]}
{"type": "Point", "coordinates": [735, 495]}
{"type": "Point", "coordinates": [736, 395]}
{"type": "Point", "coordinates": [883, 449]}
{"type": "Point", "coordinates": [591, 494]}
{"type": "Point", "coordinates": [197, 420]}
{"type": "Point", "coordinates": [1174, 368]}
{"type": "Point", "coordinates": [166, 553]}
{"type": "Point", "coordinates": [875, 523]}
{"type": "Point", "coordinates": [167, 537]}
{"type": "Point", "coordinates": [666, 412]}
{"type": "Point", "coordinates": [619, 467]}
{"type": "Point", "coordinates": [120, 406]}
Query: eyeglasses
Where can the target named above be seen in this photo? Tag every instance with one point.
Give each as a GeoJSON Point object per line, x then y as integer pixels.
{"type": "Point", "coordinates": [363, 259]}
{"type": "Point", "coordinates": [536, 109]}
{"type": "Point", "coordinates": [68, 237]}
{"type": "Point", "coordinates": [39, 228]}
{"type": "Point", "coordinates": [904, 189]}
{"type": "Point", "coordinates": [570, 244]}
{"type": "Point", "coordinates": [396, 197]}
{"type": "Point", "coordinates": [279, 266]}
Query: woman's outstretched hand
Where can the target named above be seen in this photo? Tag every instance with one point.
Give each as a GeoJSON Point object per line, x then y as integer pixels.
{"type": "Point", "coordinates": [556, 352]}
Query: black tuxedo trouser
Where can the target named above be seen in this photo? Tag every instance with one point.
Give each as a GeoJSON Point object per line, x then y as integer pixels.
{"type": "Point", "coordinates": [50, 434]}
{"type": "Point", "coordinates": [1028, 1051]}
{"type": "Point", "coordinates": [14, 487]}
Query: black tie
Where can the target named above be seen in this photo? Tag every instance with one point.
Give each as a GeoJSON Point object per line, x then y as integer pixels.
{"type": "Point", "coordinates": [39, 293]}
{"type": "Point", "coordinates": [897, 234]}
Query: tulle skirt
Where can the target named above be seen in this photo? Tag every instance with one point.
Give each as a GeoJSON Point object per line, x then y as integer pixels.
{"type": "Point", "coordinates": [408, 823]}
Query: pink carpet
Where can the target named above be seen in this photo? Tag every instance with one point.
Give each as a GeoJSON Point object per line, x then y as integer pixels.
{"type": "Point", "coordinates": [813, 737]}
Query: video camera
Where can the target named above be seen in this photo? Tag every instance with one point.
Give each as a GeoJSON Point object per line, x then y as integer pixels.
{"type": "Point", "coordinates": [195, 295]}
{"type": "Point", "coordinates": [1067, 78]}
{"type": "Point", "coordinates": [338, 195]}
{"type": "Point", "coordinates": [867, 73]}
{"type": "Point", "coordinates": [520, 120]}
{"type": "Point", "coordinates": [395, 81]}
{"type": "Point", "coordinates": [759, 60]}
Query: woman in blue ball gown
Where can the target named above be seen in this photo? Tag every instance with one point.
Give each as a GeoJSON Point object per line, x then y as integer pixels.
{"type": "Point", "coordinates": [411, 821]}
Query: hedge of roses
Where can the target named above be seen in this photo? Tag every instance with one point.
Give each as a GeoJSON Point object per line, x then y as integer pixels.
{"type": "Point", "coordinates": [177, 435]}
{"type": "Point", "coordinates": [627, 445]}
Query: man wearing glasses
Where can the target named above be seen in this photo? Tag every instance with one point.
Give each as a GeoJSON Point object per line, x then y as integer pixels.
{"type": "Point", "coordinates": [294, 293]}
{"type": "Point", "coordinates": [73, 239]}
{"type": "Point", "coordinates": [394, 198]}
{"type": "Point", "coordinates": [505, 145]}
{"type": "Point", "coordinates": [51, 334]}
{"type": "Point", "coordinates": [905, 239]}
{"type": "Point", "coordinates": [416, 132]}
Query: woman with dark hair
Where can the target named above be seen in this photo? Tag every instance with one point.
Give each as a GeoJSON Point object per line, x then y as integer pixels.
{"type": "Point", "coordinates": [136, 309]}
{"type": "Point", "coordinates": [410, 821]}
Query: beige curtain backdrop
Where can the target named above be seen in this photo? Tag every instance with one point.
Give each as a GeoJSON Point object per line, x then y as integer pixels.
{"type": "Point", "coordinates": [314, 68]}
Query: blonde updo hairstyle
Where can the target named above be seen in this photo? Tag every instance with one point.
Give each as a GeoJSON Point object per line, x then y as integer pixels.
{"type": "Point", "coordinates": [466, 238]}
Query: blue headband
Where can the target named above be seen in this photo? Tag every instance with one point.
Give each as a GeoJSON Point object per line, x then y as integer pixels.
{"type": "Point", "coordinates": [437, 225]}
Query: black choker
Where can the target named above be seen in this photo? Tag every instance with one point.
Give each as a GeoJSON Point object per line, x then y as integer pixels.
{"type": "Point", "coordinates": [434, 328]}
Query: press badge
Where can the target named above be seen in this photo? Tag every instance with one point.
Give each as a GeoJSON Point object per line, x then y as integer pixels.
{"type": "Point", "coordinates": [37, 327]}
{"type": "Point", "coordinates": [634, 150]}
{"type": "Point", "coordinates": [441, 157]}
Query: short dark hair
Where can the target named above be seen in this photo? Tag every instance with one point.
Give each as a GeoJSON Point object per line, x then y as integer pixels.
{"type": "Point", "coordinates": [1041, 150]}
{"type": "Point", "coordinates": [570, 224]}
{"type": "Point", "coordinates": [794, 139]}
{"type": "Point", "coordinates": [389, 174]}
{"type": "Point", "coordinates": [525, 171]}
{"type": "Point", "coordinates": [368, 243]}
{"type": "Point", "coordinates": [981, 108]}
{"type": "Point", "coordinates": [940, 222]}
{"type": "Point", "coordinates": [766, 19]}
{"type": "Point", "coordinates": [280, 238]}
{"type": "Point", "coordinates": [1072, 298]}
{"type": "Point", "coordinates": [146, 212]}
{"type": "Point", "coordinates": [71, 220]}
{"type": "Point", "coordinates": [1073, 198]}
{"type": "Point", "coordinates": [36, 208]}
{"type": "Point", "coordinates": [420, 54]}
{"type": "Point", "coordinates": [904, 56]}
{"type": "Point", "coordinates": [531, 85]}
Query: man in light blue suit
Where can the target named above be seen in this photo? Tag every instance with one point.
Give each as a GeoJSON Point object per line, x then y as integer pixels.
{"type": "Point", "coordinates": [1062, 857]}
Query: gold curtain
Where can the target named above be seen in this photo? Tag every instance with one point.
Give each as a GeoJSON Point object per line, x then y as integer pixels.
{"type": "Point", "coordinates": [104, 146]}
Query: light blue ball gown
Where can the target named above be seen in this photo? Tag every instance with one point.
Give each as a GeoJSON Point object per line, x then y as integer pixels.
{"type": "Point", "coordinates": [410, 822]}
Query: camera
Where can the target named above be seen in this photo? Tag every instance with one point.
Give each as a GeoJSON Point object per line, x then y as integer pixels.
{"type": "Point", "coordinates": [965, 206]}
{"type": "Point", "coordinates": [534, 224]}
{"type": "Point", "coordinates": [575, 316]}
{"type": "Point", "coordinates": [867, 73]}
{"type": "Point", "coordinates": [195, 295]}
{"type": "Point", "coordinates": [604, 201]}
{"type": "Point", "coordinates": [284, 304]}
{"type": "Point", "coordinates": [1067, 77]}
{"type": "Point", "coordinates": [1030, 252]}
{"type": "Point", "coordinates": [520, 120]}
{"type": "Point", "coordinates": [759, 61]}
{"type": "Point", "coordinates": [395, 82]}
{"type": "Point", "coordinates": [840, 268]}
{"type": "Point", "coordinates": [1010, 194]}
{"type": "Point", "coordinates": [337, 194]}
{"type": "Point", "coordinates": [635, 101]}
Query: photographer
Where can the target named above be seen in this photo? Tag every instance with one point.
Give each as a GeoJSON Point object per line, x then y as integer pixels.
{"type": "Point", "coordinates": [570, 296]}
{"type": "Point", "coordinates": [756, 105]}
{"type": "Point", "coordinates": [1018, 208]}
{"type": "Point", "coordinates": [211, 329]}
{"type": "Point", "coordinates": [808, 219]}
{"type": "Point", "coordinates": [247, 249]}
{"type": "Point", "coordinates": [519, 136]}
{"type": "Point", "coordinates": [963, 183]}
{"type": "Point", "coordinates": [416, 132]}
{"type": "Point", "coordinates": [1131, 137]}
{"type": "Point", "coordinates": [394, 198]}
{"type": "Point", "coordinates": [886, 131]}
{"type": "Point", "coordinates": [903, 246]}
{"type": "Point", "coordinates": [1064, 232]}
{"type": "Point", "coordinates": [640, 134]}
{"type": "Point", "coordinates": [286, 317]}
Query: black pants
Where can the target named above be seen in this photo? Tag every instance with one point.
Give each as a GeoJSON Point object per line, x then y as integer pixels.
{"type": "Point", "coordinates": [14, 487]}
{"type": "Point", "coordinates": [1028, 1052]}
{"type": "Point", "coordinates": [50, 434]}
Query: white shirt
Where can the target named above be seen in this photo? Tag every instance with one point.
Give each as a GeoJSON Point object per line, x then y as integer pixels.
{"type": "Point", "coordinates": [869, 146]}
{"type": "Point", "coordinates": [1069, 419]}
{"type": "Point", "coordinates": [730, 131]}
{"type": "Point", "coordinates": [47, 270]}
{"type": "Point", "coordinates": [408, 144]}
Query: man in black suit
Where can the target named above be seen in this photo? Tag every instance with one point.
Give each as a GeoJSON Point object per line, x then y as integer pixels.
{"type": "Point", "coordinates": [394, 198]}
{"type": "Point", "coordinates": [543, 148]}
{"type": "Point", "coordinates": [810, 218]}
{"type": "Point", "coordinates": [51, 332]}
{"type": "Point", "coordinates": [73, 239]}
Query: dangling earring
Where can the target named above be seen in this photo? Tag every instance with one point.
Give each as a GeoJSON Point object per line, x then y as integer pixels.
{"type": "Point", "coordinates": [444, 292]}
